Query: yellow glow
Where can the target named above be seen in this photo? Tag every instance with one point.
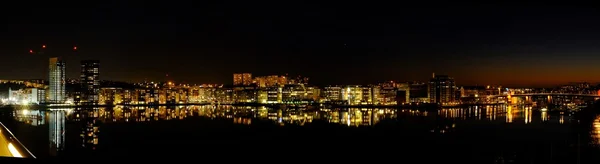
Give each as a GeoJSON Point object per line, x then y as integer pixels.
{"type": "Point", "coordinates": [562, 119]}
{"type": "Point", "coordinates": [14, 151]}
{"type": "Point", "coordinates": [509, 114]}
{"type": "Point", "coordinates": [527, 116]}
{"type": "Point", "coordinates": [596, 131]}
{"type": "Point", "coordinates": [544, 116]}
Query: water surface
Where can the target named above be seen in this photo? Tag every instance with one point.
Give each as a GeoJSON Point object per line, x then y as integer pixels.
{"type": "Point", "coordinates": [478, 134]}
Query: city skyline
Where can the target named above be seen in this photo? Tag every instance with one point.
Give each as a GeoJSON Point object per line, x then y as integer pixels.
{"type": "Point", "coordinates": [437, 82]}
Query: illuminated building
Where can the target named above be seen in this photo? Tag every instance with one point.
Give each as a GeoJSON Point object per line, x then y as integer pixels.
{"type": "Point", "coordinates": [355, 95]}
{"type": "Point", "coordinates": [111, 96]}
{"type": "Point", "coordinates": [403, 93]}
{"type": "Point", "coordinates": [223, 95]}
{"type": "Point", "coordinates": [442, 89]}
{"type": "Point", "coordinates": [274, 94]}
{"type": "Point", "coordinates": [41, 95]}
{"type": "Point", "coordinates": [246, 78]}
{"type": "Point", "coordinates": [260, 81]}
{"type": "Point", "coordinates": [90, 81]}
{"type": "Point", "coordinates": [418, 92]}
{"type": "Point", "coordinates": [313, 93]}
{"type": "Point", "coordinates": [282, 80]}
{"type": "Point", "coordinates": [273, 80]}
{"type": "Point", "coordinates": [291, 93]}
{"type": "Point", "coordinates": [387, 93]}
{"type": "Point", "coordinates": [332, 93]}
{"type": "Point", "coordinates": [262, 96]}
{"type": "Point", "coordinates": [195, 95]}
{"type": "Point", "coordinates": [139, 96]}
{"type": "Point", "coordinates": [237, 79]}
{"type": "Point", "coordinates": [269, 81]}
{"type": "Point", "coordinates": [242, 79]}
{"type": "Point", "coordinates": [56, 79]}
{"type": "Point", "coordinates": [245, 94]}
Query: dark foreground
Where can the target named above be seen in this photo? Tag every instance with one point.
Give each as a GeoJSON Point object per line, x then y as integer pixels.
{"type": "Point", "coordinates": [221, 140]}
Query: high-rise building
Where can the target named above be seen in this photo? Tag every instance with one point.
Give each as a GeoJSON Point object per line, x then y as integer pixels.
{"type": "Point", "coordinates": [246, 78]}
{"type": "Point", "coordinates": [242, 79]}
{"type": "Point", "coordinates": [90, 81]}
{"type": "Point", "coordinates": [237, 79]}
{"type": "Point", "coordinates": [56, 79]}
{"type": "Point", "coordinates": [442, 89]}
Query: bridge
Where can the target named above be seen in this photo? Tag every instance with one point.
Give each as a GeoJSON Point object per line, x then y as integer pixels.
{"type": "Point", "coordinates": [10, 146]}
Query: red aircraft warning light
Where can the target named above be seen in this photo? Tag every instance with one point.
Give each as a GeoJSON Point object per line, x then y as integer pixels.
{"type": "Point", "coordinates": [75, 48]}
{"type": "Point", "coordinates": [44, 46]}
{"type": "Point", "coordinates": [30, 51]}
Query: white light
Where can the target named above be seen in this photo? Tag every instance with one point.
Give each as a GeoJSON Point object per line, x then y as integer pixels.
{"type": "Point", "coordinates": [14, 151]}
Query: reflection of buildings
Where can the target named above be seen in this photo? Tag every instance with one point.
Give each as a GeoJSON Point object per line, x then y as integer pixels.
{"type": "Point", "coordinates": [90, 129]}
{"type": "Point", "coordinates": [596, 130]}
{"type": "Point", "coordinates": [298, 116]}
{"type": "Point", "coordinates": [240, 115]}
{"type": "Point", "coordinates": [31, 117]}
{"type": "Point", "coordinates": [56, 121]}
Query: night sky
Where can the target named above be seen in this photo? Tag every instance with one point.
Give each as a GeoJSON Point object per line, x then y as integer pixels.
{"type": "Point", "coordinates": [332, 43]}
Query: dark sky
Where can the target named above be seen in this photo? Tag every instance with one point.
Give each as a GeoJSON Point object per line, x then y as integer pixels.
{"type": "Point", "coordinates": [333, 43]}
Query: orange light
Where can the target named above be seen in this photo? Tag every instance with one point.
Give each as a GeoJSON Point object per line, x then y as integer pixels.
{"type": "Point", "coordinates": [44, 46]}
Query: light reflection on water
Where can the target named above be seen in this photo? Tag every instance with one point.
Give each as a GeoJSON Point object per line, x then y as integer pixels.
{"type": "Point", "coordinates": [595, 133]}
{"type": "Point", "coordinates": [346, 116]}
{"type": "Point", "coordinates": [442, 121]}
{"type": "Point", "coordinates": [353, 117]}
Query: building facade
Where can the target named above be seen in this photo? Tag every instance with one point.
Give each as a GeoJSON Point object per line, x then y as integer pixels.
{"type": "Point", "coordinates": [56, 80]}
{"type": "Point", "coordinates": [90, 81]}
{"type": "Point", "coordinates": [242, 79]}
{"type": "Point", "coordinates": [442, 89]}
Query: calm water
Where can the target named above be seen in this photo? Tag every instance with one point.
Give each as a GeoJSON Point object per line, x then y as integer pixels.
{"type": "Point", "coordinates": [478, 134]}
